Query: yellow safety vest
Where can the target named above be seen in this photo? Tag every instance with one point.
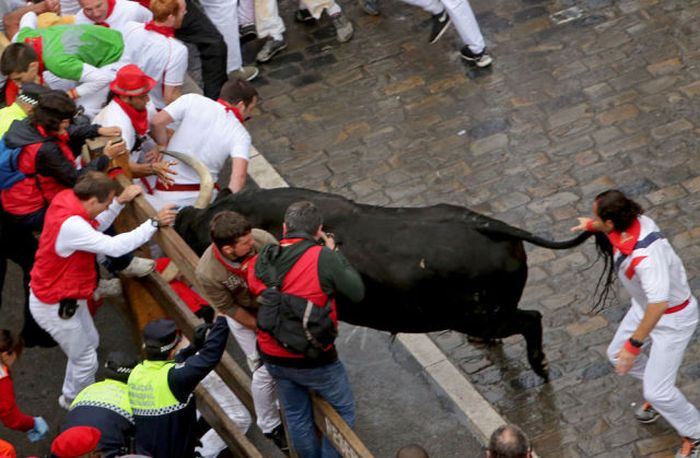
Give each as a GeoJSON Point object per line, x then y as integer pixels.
{"type": "Point", "coordinates": [109, 394]}
{"type": "Point", "coordinates": [149, 392]}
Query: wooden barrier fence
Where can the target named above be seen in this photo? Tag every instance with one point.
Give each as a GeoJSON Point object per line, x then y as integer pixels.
{"type": "Point", "coordinates": [174, 247]}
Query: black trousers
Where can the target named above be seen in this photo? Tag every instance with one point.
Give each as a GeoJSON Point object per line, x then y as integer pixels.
{"type": "Point", "coordinates": [199, 31]}
{"type": "Point", "coordinates": [19, 245]}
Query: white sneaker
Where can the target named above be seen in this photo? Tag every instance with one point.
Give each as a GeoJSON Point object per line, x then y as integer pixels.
{"type": "Point", "coordinates": [247, 73]}
{"type": "Point", "coordinates": [63, 402]}
{"type": "Point", "coordinates": [107, 288]}
{"type": "Point", "coordinates": [139, 267]}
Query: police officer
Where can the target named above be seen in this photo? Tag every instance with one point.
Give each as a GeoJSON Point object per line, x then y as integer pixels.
{"type": "Point", "coordinates": [160, 388]}
{"type": "Point", "coordinates": [105, 406]}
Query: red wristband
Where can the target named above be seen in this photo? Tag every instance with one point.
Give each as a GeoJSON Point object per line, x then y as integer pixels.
{"type": "Point", "coordinates": [589, 226]}
{"type": "Point", "coordinates": [631, 348]}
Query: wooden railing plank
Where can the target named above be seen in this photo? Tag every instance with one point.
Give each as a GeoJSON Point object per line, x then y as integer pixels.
{"type": "Point", "coordinates": [217, 419]}
{"type": "Point", "coordinates": [326, 418]}
{"type": "Point", "coordinates": [337, 431]}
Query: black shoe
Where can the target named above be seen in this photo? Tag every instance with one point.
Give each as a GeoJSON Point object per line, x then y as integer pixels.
{"type": "Point", "coordinates": [441, 22]}
{"type": "Point", "coordinates": [247, 33]}
{"type": "Point", "coordinates": [481, 60]}
{"type": "Point", "coordinates": [277, 436]}
{"type": "Point", "coordinates": [304, 16]}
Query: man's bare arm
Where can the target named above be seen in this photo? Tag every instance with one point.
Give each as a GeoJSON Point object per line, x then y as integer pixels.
{"type": "Point", "coordinates": [239, 172]}
{"type": "Point", "coordinates": [11, 20]}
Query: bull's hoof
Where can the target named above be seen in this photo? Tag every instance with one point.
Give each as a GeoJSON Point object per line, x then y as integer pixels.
{"type": "Point", "coordinates": [483, 340]}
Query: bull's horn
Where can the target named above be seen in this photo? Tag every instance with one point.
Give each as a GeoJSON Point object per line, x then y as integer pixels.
{"type": "Point", "coordinates": [206, 183]}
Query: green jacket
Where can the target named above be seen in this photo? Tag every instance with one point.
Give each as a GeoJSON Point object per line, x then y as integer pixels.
{"type": "Point", "coordinates": [66, 48]}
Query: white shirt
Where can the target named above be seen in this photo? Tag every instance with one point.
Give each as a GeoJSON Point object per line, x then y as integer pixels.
{"type": "Point", "coordinates": [659, 276]}
{"type": "Point", "coordinates": [69, 7]}
{"type": "Point", "coordinates": [208, 132]}
{"type": "Point", "coordinates": [163, 59]}
{"type": "Point", "coordinates": [125, 11]}
{"type": "Point", "coordinates": [114, 115]}
{"type": "Point", "coordinates": [76, 234]}
{"type": "Point", "coordinates": [8, 6]}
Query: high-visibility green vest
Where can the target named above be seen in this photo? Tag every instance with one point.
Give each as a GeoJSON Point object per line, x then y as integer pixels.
{"type": "Point", "coordinates": [149, 392]}
{"type": "Point", "coordinates": [109, 394]}
{"type": "Point", "coordinates": [65, 48]}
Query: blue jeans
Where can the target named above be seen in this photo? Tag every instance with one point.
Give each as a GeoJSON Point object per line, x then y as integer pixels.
{"type": "Point", "coordinates": [293, 385]}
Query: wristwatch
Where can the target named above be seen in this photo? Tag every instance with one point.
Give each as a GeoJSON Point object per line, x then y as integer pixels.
{"type": "Point", "coordinates": [636, 343]}
{"type": "Point", "coordinates": [155, 222]}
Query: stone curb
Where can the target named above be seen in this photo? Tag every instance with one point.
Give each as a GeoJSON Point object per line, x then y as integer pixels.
{"type": "Point", "coordinates": [482, 418]}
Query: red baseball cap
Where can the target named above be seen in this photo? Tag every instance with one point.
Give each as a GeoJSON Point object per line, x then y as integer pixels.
{"type": "Point", "coordinates": [76, 441]}
{"type": "Point", "coordinates": [131, 81]}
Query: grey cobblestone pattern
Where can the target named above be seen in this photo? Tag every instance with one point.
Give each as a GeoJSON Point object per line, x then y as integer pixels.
{"type": "Point", "coordinates": [610, 99]}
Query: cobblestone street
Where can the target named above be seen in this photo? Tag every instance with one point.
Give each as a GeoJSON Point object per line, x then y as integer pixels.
{"type": "Point", "coordinates": [582, 96]}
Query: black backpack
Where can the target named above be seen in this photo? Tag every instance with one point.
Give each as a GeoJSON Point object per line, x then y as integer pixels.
{"type": "Point", "coordinates": [299, 325]}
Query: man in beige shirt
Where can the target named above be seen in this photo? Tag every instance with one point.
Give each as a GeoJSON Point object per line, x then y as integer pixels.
{"type": "Point", "coordinates": [222, 274]}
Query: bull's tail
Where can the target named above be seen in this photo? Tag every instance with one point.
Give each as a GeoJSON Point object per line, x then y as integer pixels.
{"type": "Point", "coordinates": [534, 239]}
{"type": "Point", "coordinates": [562, 245]}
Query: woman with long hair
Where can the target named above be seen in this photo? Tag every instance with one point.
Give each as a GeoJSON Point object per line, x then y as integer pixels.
{"type": "Point", "coordinates": [651, 339]}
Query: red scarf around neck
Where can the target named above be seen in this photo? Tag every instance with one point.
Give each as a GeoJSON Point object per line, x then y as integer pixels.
{"type": "Point", "coordinates": [161, 29]}
{"type": "Point", "coordinates": [62, 138]}
{"type": "Point", "coordinates": [232, 109]}
{"type": "Point", "coordinates": [243, 264]}
{"type": "Point", "coordinates": [11, 91]}
{"type": "Point", "coordinates": [110, 9]}
{"type": "Point", "coordinates": [37, 45]}
{"type": "Point", "coordinates": [139, 119]}
{"type": "Point", "coordinates": [626, 241]}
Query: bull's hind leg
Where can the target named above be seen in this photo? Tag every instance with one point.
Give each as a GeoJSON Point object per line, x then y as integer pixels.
{"type": "Point", "coordinates": [525, 322]}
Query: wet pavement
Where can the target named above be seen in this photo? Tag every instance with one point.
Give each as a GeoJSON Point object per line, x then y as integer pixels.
{"type": "Point", "coordinates": [582, 96]}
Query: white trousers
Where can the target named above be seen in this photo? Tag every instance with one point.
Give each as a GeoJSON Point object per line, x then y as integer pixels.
{"type": "Point", "coordinates": [462, 16]}
{"type": "Point", "coordinates": [77, 337]}
{"type": "Point", "coordinates": [246, 12]}
{"type": "Point", "coordinates": [658, 363]}
{"type": "Point", "coordinates": [212, 443]}
{"type": "Point", "coordinates": [268, 22]}
{"type": "Point", "coordinates": [180, 198]}
{"type": "Point", "coordinates": [224, 15]}
{"type": "Point", "coordinates": [263, 386]}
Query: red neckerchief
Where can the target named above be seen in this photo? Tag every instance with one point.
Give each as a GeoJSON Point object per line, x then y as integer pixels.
{"type": "Point", "coordinates": [228, 266]}
{"type": "Point", "coordinates": [110, 9]}
{"type": "Point", "coordinates": [232, 109]}
{"type": "Point", "coordinates": [625, 241]}
{"type": "Point", "coordinates": [63, 138]}
{"type": "Point", "coordinates": [161, 29]}
{"type": "Point", "coordinates": [291, 241]}
{"type": "Point", "coordinates": [11, 91]}
{"type": "Point", "coordinates": [139, 119]}
{"type": "Point", "coordinates": [38, 47]}
{"type": "Point", "coordinates": [145, 3]}
{"type": "Point", "coordinates": [61, 142]}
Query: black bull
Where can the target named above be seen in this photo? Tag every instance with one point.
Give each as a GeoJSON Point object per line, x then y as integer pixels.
{"type": "Point", "coordinates": [425, 269]}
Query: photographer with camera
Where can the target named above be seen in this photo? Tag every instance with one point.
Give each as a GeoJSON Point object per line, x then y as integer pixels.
{"type": "Point", "coordinates": [300, 268]}
{"type": "Point", "coordinates": [64, 275]}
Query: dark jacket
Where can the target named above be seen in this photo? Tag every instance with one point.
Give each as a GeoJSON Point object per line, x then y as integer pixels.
{"type": "Point", "coordinates": [50, 160]}
{"type": "Point", "coordinates": [308, 271]}
{"type": "Point", "coordinates": [172, 434]}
